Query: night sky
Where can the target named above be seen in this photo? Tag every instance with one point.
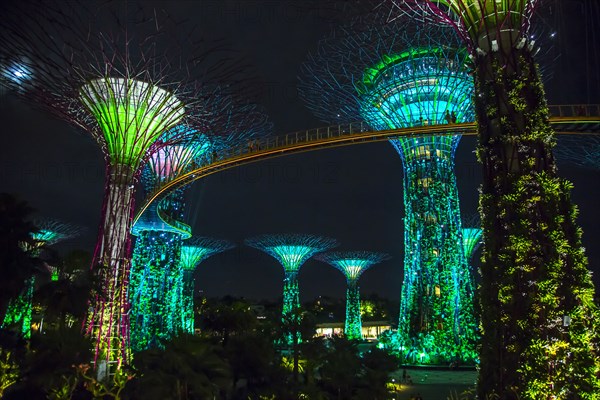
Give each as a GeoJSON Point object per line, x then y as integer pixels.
{"type": "Point", "coordinates": [353, 194]}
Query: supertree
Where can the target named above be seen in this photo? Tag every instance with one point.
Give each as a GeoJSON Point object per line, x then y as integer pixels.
{"type": "Point", "coordinates": [352, 264]}
{"type": "Point", "coordinates": [157, 275]}
{"type": "Point", "coordinates": [49, 232]}
{"type": "Point", "coordinates": [397, 76]}
{"type": "Point", "coordinates": [121, 80]}
{"type": "Point", "coordinates": [195, 251]}
{"type": "Point", "coordinates": [159, 233]}
{"type": "Point", "coordinates": [539, 321]}
{"type": "Point", "coordinates": [292, 251]}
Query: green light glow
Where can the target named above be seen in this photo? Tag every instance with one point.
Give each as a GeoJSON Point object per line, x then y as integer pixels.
{"type": "Point", "coordinates": [18, 313]}
{"type": "Point", "coordinates": [19, 310]}
{"type": "Point", "coordinates": [292, 257]}
{"type": "Point", "coordinates": [161, 304]}
{"type": "Point", "coordinates": [482, 16]}
{"type": "Point", "coordinates": [471, 240]}
{"type": "Point", "coordinates": [46, 236]}
{"type": "Point", "coordinates": [154, 278]}
{"type": "Point", "coordinates": [192, 255]}
{"type": "Point", "coordinates": [371, 74]}
{"type": "Point", "coordinates": [417, 88]}
{"type": "Point", "coordinates": [131, 114]}
{"type": "Point", "coordinates": [352, 265]}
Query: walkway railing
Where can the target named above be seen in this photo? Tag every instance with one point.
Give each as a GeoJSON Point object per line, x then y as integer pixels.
{"type": "Point", "coordinates": [575, 110]}
{"type": "Point", "coordinates": [572, 118]}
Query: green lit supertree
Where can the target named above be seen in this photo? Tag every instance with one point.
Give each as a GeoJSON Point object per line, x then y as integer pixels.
{"type": "Point", "coordinates": [49, 232]}
{"type": "Point", "coordinates": [393, 76]}
{"type": "Point", "coordinates": [539, 322]}
{"type": "Point", "coordinates": [195, 251]}
{"type": "Point", "coordinates": [125, 80]}
{"type": "Point", "coordinates": [292, 251]}
{"type": "Point", "coordinates": [352, 264]}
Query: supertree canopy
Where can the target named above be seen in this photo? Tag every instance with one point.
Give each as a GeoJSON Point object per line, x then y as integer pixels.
{"type": "Point", "coordinates": [122, 81]}
{"type": "Point", "coordinates": [539, 321]}
{"type": "Point", "coordinates": [292, 251]}
{"type": "Point", "coordinates": [49, 232]}
{"type": "Point", "coordinates": [195, 251]}
{"type": "Point", "coordinates": [397, 76]}
{"type": "Point", "coordinates": [352, 264]}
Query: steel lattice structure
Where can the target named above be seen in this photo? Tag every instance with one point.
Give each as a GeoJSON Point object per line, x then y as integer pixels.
{"type": "Point", "coordinates": [122, 81]}
{"type": "Point", "coordinates": [398, 76]}
{"type": "Point", "coordinates": [50, 231]}
{"type": "Point", "coordinates": [292, 251]}
{"type": "Point", "coordinates": [195, 251]}
{"type": "Point", "coordinates": [352, 264]}
{"type": "Point", "coordinates": [539, 320]}
{"type": "Point", "coordinates": [583, 151]}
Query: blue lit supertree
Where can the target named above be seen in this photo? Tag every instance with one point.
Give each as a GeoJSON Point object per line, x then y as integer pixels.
{"type": "Point", "coordinates": [397, 76]}
{"type": "Point", "coordinates": [195, 251]}
{"type": "Point", "coordinates": [352, 264]}
{"type": "Point", "coordinates": [292, 251]}
{"type": "Point", "coordinates": [49, 232]}
{"type": "Point", "coordinates": [157, 275]}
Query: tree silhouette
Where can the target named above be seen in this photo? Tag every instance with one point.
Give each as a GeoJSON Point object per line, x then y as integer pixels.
{"type": "Point", "coordinates": [17, 263]}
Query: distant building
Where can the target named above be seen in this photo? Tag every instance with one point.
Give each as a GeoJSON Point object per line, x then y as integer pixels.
{"type": "Point", "coordinates": [371, 330]}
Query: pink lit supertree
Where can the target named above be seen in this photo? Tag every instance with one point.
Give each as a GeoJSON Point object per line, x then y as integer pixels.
{"type": "Point", "coordinates": [124, 80]}
{"type": "Point", "coordinates": [539, 322]}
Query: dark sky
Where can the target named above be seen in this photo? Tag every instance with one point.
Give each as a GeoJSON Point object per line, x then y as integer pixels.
{"type": "Point", "coordinates": [353, 194]}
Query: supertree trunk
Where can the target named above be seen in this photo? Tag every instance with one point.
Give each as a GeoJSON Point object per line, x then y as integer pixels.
{"type": "Point", "coordinates": [436, 321]}
{"type": "Point", "coordinates": [188, 302]}
{"type": "Point", "coordinates": [109, 319]}
{"type": "Point", "coordinates": [353, 327]}
{"type": "Point", "coordinates": [536, 293]}
{"type": "Point", "coordinates": [153, 287]}
{"type": "Point", "coordinates": [156, 277]}
{"type": "Point", "coordinates": [291, 297]}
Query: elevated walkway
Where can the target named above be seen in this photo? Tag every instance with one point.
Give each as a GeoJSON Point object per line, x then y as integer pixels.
{"type": "Point", "coordinates": [565, 119]}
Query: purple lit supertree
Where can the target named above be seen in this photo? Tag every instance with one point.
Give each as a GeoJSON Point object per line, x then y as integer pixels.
{"type": "Point", "coordinates": [352, 264]}
{"type": "Point", "coordinates": [195, 251]}
{"type": "Point", "coordinates": [49, 232]}
{"type": "Point", "coordinates": [539, 320]}
{"type": "Point", "coordinates": [122, 81]}
{"type": "Point", "coordinates": [292, 251]}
